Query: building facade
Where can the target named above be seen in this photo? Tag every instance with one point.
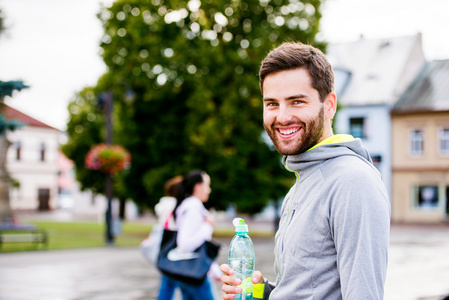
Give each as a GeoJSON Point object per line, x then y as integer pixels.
{"type": "Point", "coordinates": [32, 163]}
{"type": "Point", "coordinates": [420, 135]}
{"type": "Point", "coordinates": [370, 76]}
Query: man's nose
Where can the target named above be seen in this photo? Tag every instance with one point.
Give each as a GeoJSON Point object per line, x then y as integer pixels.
{"type": "Point", "coordinates": [284, 116]}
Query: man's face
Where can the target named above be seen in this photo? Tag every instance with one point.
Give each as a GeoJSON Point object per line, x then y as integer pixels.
{"type": "Point", "coordinates": [293, 115]}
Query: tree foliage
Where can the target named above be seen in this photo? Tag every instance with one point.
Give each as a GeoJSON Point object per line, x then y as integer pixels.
{"type": "Point", "coordinates": [2, 22]}
{"type": "Point", "coordinates": [191, 67]}
{"type": "Point", "coordinates": [84, 129]}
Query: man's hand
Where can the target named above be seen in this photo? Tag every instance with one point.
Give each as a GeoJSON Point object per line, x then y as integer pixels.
{"type": "Point", "coordinates": [230, 287]}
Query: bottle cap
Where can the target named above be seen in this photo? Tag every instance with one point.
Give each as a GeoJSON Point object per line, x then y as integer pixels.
{"type": "Point", "coordinates": [240, 226]}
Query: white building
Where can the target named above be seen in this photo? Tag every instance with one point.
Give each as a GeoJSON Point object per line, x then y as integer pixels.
{"type": "Point", "coordinates": [370, 76]}
{"type": "Point", "coordinates": [44, 179]}
{"type": "Point", "coordinates": [32, 163]}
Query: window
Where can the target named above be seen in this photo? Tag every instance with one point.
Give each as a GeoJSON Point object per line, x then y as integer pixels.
{"type": "Point", "coordinates": [447, 200]}
{"type": "Point", "coordinates": [356, 127]}
{"type": "Point", "coordinates": [42, 151]}
{"type": "Point", "coordinates": [377, 160]}
{"type": "Point", "coordinates": [427, 197]}
{"type": "Point", "coordinates": [18, 147]}
{"type": "Point", "coordinates": [416, 142]}
{"type": "Point", "coordinates": [443, 140]}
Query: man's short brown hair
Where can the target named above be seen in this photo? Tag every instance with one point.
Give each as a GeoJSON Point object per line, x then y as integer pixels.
{"type": "Point", "coordinates": [290, 56]}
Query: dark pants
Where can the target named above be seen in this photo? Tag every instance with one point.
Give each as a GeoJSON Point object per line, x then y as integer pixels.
{"type": "Point", "coordinates": [189, 291]}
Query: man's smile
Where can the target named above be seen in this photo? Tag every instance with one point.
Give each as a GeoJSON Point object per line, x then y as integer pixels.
{"type": "Point", "coordinates": [288, 132]}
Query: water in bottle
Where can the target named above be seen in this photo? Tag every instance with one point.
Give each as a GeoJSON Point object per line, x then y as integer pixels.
{"type": "Point", "coordinates": [242, 258]}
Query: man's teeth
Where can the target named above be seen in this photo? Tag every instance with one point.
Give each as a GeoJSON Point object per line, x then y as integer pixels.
{"type": "Point", "coordinates": [289, 131]}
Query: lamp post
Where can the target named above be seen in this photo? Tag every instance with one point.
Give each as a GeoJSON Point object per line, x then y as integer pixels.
{"type": "Point", "coordinates": [106, 98]}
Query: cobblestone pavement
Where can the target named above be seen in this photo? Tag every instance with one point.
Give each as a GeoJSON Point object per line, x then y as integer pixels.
{"type": "Point", "coordinates": [418, 270]}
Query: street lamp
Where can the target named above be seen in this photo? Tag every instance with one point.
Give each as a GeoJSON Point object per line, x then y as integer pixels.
{"type": "Point", "coordinates": [106, 100]}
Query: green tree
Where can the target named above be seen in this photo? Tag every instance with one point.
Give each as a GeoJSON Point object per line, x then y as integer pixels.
{"type": "Point", "coordinates": [192, 68]}
{"type": "Point", "coordinates": [2, 22]}
{"type": "Point", "coordinates": [86, 127]}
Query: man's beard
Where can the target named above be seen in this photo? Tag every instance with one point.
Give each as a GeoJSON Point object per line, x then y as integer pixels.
{"type": "Point", "coordinates": [312, 132]}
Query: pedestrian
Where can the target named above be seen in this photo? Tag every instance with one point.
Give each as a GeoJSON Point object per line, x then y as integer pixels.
{"type": "Point", "coordinates": [164, 212]}
{"type": "Point", "coordinates": [332, 241]}
{"type": "Point", "coordinates": [195, 225]}
{"type": "Point", "coordinates": [164, 208]}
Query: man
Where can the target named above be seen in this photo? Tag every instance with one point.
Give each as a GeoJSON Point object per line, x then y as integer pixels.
{"type": "Point", "coordinates": [332, 241]}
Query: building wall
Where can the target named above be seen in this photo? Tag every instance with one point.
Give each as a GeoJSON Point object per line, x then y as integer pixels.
{"type": "Point", "coordinates": [30, 171]}
{"type": "Point", "coordinates": [377, 128]}
{"type": "Point", "coordinates": [418, 177]}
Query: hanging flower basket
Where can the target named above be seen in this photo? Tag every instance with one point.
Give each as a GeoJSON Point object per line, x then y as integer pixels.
{"type": "Point", "coordinates": [109, 159]}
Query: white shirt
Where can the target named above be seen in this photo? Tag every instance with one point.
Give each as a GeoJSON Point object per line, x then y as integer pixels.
{"type": "Point", "coordinates": [163, 209]}
{"type": "Point", "coordinates": [193, 230]}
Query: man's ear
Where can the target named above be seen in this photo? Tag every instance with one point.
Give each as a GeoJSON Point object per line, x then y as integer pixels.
{"type": "Point", "coordinates": [330, 106]}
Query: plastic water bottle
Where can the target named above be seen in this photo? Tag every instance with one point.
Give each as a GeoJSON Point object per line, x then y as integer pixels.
{"type": "Point", "coordinates": [242, 258]}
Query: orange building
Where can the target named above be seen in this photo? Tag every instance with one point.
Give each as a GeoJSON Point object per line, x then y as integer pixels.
{"type": "Point", "coordinates": [420, 148]}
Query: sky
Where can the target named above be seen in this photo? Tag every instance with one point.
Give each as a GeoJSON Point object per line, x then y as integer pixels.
{"type": "Point", "coordinates": [53, 45]}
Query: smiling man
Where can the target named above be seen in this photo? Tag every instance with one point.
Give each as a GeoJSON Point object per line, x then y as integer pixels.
{"type": "Point", "coordinates": [294, 113]}
{"type": "Point", "coordinates": [332, 241]}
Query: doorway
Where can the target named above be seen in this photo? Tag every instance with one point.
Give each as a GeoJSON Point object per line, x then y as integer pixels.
{"type": "Point", "coordinates": [44, 199]}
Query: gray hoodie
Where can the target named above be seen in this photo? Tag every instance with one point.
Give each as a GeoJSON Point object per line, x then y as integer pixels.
{"type": "Point", "coordinates": [333, 236]}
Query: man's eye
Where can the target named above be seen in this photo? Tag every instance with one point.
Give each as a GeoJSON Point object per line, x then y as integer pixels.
{"type": "Point", "coordinates": [272, 104]}
{"type": "Point", "coordinates": [298, 102]}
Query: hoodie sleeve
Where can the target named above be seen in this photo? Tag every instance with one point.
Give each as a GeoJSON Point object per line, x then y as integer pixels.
{"type": "Point", "coordinates": [360, 223]}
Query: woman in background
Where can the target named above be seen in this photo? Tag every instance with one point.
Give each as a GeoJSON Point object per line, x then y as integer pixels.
{"type": "Point", "coordinates": [164, 208]}
{"type": "Point", "coordinates": [195, 225]}
{"type": "Point", "coordinates": [164, 212]}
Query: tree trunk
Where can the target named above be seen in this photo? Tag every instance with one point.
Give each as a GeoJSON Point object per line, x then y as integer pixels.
{"type": "Point", "coordinates": [5, 208]}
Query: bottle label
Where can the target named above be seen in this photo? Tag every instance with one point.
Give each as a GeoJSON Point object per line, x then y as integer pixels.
{"type": "Point", "coordinates": [247, 286]}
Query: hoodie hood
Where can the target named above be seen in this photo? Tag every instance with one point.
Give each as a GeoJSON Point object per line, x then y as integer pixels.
{"type": "Point", "coordinates": [305, 163]}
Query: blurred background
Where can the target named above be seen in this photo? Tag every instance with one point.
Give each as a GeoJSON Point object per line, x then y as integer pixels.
{"type": "Point", "coordinates": [182, 81]}
{"type": "Point", "coordinates": [157, 88]}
